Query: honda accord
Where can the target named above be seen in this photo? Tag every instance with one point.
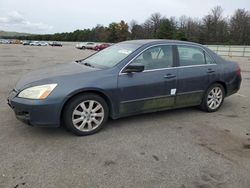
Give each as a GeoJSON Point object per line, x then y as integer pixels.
{"type": "Point", "coordinates": [128, 78]}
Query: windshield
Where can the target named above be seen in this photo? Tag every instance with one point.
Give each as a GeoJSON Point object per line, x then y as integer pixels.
{"type": "Point", "coordinates": [110, 56]}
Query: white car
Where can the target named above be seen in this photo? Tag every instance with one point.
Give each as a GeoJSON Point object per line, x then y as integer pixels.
{"type": "Point", "coordinates": [43, 43]}
{"type": "Point", "coordinates": [3, 41]}
{"type": "Point", "coordinates": [34, 43]}
{"type": "Point", "coordinates": [81, 45]}
{"type": "Point", "coordinates": [91, 45]}
{"type": "Point", "coordinates": [38, 43]}
{"type": "Point", "coordinates": [87, 45]}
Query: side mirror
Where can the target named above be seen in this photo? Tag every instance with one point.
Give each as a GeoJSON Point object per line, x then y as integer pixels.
{"type": "Point", "coordinates": [133, 68]}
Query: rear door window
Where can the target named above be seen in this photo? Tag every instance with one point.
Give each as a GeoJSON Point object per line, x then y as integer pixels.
{"type": "Point", "coordinates": [189, 55]}
{"type": "Point", "coordinates": [209, 60]}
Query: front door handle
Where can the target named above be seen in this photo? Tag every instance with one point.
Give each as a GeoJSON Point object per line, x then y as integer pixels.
{"type": "Point", "coordinates": [210, 71]}
{"type": "Point", "coordinates": [169, 76]}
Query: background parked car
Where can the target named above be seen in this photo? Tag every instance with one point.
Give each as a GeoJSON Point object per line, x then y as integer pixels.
{"type": "Point", "coordinates": [101, 46]}
{"type": "Point", "coordinates": [26, 42]}
{"type": "Point", "coordinates": [4, 41]}
{"type": "Point", "coordinates": [91, 45]}
{"type": "Point", "coordinates": [87, 45]}
{"type": "Point", "coordinates": [14, 41]}
{"type": "Point", "coordinates": [43, 43]}
{"type": "Point", "coordinates": [55, 44]}
{"type": "Point", "coordinates": [38, 43]}
{"type": "Point", "coordinates": [34, 43]}
{"type": "Point", "coordinates": [81, 45]}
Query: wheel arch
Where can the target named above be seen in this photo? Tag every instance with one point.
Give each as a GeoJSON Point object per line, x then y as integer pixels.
{"type": "Point", "coordinates": [217, 82]}
{"type": "Point", "coordinates": [88, 91]}
{"type": "Point", "coordinates": [223, 84]}
{"type": "Point", "coordinates": [202, 105]}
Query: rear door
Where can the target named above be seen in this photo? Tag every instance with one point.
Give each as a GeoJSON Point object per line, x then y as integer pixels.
{"type": "Point", "coordinates": [154, 88]}
{"type": "Point", "coordinates": [196, 70]}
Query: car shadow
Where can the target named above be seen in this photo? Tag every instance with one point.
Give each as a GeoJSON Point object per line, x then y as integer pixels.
{"type": "Point", "coordinates": [173, 113]}
{"type": "Point", "coordinates": [126, 121]}
{"type": "Point", "coordinates": [41, 131]}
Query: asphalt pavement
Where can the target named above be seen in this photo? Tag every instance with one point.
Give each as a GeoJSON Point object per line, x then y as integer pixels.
{"type": "Point", "coordinates": [178, 148]}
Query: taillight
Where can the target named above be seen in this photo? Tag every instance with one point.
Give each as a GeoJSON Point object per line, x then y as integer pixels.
{"type": "Point", "coordinates": [238, 72]}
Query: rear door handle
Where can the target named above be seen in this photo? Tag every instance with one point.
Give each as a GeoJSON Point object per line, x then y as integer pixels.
{"type": "Point", "coordinates": [169, 76]}
{"type": "Point", "coordinates": [210, 71]}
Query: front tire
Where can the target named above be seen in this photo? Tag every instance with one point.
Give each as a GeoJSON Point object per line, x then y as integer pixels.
{"type": "Point", "coordinates": [85, 114]}
{"type": "Point", "coordinates": [213, 98]}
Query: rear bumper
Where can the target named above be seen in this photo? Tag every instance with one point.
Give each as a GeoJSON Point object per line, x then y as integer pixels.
{"type": "Point", "coordinates": [35, 112]}
{"type": "Point", "coordinates": [234, 85]}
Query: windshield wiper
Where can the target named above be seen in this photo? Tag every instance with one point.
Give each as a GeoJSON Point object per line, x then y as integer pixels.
{"type": "Point", "coordinates": [88, 64]}
{"type": "Point", "coordinates": [78, 61]}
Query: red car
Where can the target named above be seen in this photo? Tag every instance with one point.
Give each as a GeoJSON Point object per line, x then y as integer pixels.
{"type": "Point", "coordinates": [101, 46]}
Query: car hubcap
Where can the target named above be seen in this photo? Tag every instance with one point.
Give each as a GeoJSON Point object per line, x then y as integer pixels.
{"type": "Point", "coordinates": [88, 115]}
{"type": "Point", "coordinates": [214, 98]}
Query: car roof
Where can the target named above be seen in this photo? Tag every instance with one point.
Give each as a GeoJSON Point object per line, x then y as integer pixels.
{"type": "Point", "coordinates": [150, 42]}
{"type": "Point", "coordinates": [158, 41]}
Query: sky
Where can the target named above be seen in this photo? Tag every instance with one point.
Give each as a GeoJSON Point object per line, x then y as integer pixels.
{"type": "Point", "coordinates": [51, 16]}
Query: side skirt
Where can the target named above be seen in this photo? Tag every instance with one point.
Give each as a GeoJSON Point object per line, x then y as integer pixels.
{"type": "Point", "coordinates": [148, 105]}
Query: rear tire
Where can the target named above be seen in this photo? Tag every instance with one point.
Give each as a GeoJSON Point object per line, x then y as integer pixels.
{"type": "Point", "coordinates": [85, 114]}
{"type": "Point", "coordinates": [213, 98]}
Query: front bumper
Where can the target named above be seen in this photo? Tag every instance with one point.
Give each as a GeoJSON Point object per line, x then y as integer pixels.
{"type": "Point", "coordinates": [35, 112]}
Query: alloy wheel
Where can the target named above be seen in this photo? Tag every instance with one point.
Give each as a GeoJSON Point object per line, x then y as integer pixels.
{"type": "Point", "coordinates": [215, 98]}
{"type": "Point", "coordinates": [88, 115]}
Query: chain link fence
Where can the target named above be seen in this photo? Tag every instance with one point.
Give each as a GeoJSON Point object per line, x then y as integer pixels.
{"type": "Point", "coordinates": [231, 51]}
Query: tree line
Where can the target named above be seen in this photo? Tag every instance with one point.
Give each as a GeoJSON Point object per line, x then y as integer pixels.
{"type": "Point", "coordinates": [213, 28]}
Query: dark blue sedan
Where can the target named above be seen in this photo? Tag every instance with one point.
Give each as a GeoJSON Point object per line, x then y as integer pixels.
{"type": "Point", "coordinates": [128, 78]}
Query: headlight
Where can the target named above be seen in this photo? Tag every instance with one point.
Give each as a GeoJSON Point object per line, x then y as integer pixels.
{"type": "Point", "coordinates": [37, 92]}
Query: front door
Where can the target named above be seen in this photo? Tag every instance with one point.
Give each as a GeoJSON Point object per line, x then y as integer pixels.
{"type": "Point", "coordinates": [154, 88]}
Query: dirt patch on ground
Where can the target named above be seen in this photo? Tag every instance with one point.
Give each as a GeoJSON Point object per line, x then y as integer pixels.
{"type": "Point", "coordinates": [223, 143]}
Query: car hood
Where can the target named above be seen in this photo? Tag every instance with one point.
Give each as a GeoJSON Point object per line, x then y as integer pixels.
{"type": "Point", "coordinates": [52, 72]}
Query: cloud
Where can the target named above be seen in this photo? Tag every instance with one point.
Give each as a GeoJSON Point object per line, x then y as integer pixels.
{"type": "Point", "coordinates": [15, 20]}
